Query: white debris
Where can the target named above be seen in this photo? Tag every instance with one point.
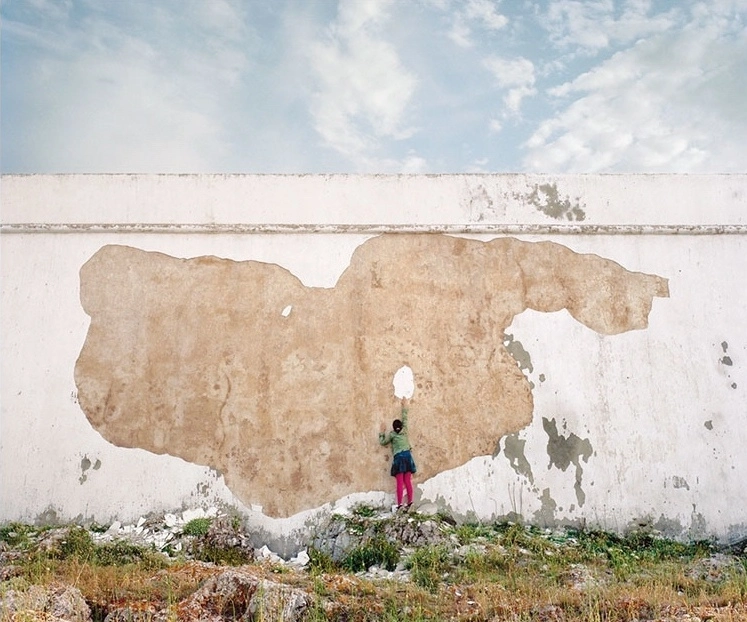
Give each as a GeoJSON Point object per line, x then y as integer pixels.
{"type": "Point", "coordinates": [302, 559]}
{"type": "Point", "coordinates": [114, 528]}
{"type": "Point", "coordinates": [188, 515]}
{"type": "Point", "coordinates": [266, 554]}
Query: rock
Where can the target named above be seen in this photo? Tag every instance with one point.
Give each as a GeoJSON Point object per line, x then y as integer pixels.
{"type": "Point", "coordinates": [224, 544]}
{"type": "Point", "coordinates": [339, 535]}
{"type": "Point", "coordinates": [130, 614]}
{"type": "Point", "coordinates": [715, 569]}
{"type": "Point", "coordinates": [51, 602]}
{"type": "Point", "coordinates": [239, 595]}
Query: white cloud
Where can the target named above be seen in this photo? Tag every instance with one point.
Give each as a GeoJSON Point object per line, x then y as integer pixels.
{"type": "Point", "coordinates": [475, 14]}
{"type": "Point", "coordinates": [595, 24]}
{"type": "Point", "coordinates": [672, 102]}
{"type": "Point", "coordinates": [514, 74]}
{"type": "Point", "coordinates": [363, 90]}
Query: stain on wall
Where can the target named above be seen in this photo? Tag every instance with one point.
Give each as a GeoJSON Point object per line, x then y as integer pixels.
{"type": "Point", "coordinates": [514, 451]}
{"type": "Point", "coordinates": [546, 198]}
{"type": "Point", "coordinates": [567, 450]}
{"type": "Point", "coordinates": [283, 388]}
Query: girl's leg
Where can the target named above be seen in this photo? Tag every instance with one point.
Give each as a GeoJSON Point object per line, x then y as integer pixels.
{"type": "Point", "coordinates": [408, 485]}
{"type": "Point", "coordinates": [400, 487]}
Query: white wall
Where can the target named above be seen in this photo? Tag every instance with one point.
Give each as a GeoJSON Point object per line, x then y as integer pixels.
{"type": "Point", "coordinates": [665, 414]}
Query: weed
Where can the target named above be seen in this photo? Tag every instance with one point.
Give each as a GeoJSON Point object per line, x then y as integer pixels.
{"type": "Point", "coordinates": [468, 532]}
{"type": "Point", "coordinates": [376, 552]}
{"type": "Point", "coordinates": [223, 556]}
{"type": "Point", "coordinates": [428, 565]}
{"type": "Point", "coordinates": [364, 510]}
{"type": "Point", "coordinates": [16, 534]}
{"type": "Point", "coordinates": [320, 562]}
{"type": "Point", "coordinates": [77, 543]}
{"type": "Point", "coordinates": [197, 527]}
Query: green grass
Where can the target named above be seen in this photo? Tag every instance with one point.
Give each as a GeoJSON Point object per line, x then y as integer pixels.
{"type": "Point", "coordinates": [375, 552]}
{"type": "Point", "coordinates": [197, 527]}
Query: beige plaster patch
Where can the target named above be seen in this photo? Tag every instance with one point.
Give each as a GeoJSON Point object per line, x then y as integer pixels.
{"type": "Point", "coordinates": [283, 388]}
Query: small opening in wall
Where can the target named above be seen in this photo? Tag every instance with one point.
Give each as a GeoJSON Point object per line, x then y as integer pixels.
{"type": "Point", "coordinates": [404, 382]}
{"type": "Point", "coordinates": [286, 312]}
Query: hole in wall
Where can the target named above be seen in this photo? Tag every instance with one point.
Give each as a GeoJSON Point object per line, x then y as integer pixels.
{"type": "Point", "coordinates": [404, 382]}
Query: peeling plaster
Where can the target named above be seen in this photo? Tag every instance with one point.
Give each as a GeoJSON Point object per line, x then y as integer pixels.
{"type": "Point", "coordinates": [564, 451]}
{"type": "Point", "coordinates": [191, 357]}
{"type": "Point", "coordinates": [518, 353]}
{"type": "Point", "coordinates": [514, 451]}
{"type": "Point", "coordinates": [545, 516]}
{"type": "Point", "coordinates": [480, 204]}
{"type": "Point", "coordinates": [546, 198]}
{"type": "Point", "coordinates": [85, 465]}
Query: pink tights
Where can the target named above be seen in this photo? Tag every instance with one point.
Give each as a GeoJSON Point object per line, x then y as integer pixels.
{"type": "Point", "coordinates": [404, 480]}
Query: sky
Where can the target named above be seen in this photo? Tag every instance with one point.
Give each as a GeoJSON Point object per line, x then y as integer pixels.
{"type": "Point", "coordinates": [373, 86]}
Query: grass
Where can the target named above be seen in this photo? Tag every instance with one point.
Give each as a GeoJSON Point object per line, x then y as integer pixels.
{"type": "Point", "coordinates": [499, 571]}
{"type": "Point", "coordinates": [197, 527]}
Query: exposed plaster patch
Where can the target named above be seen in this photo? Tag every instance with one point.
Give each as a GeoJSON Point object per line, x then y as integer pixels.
{"type": "Point", "coordinates": [190, 356]}
{"type": "Point", "coordinates": [286, 312]}
{"type": "Point", "coordinates": [546, 198]}
{"type": "Point", "coordinates": [567, 450]}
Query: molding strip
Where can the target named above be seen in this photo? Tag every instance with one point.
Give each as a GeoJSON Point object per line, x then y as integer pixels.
{"type": "Point", "coordinates": [372, 229]}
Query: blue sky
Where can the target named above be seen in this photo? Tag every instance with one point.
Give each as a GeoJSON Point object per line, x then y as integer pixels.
{"type": "Point", "coordinates": [373, 86]}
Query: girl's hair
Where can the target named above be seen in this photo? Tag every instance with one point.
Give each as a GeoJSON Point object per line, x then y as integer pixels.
{"type": "Point", "coordinates": [397, 425]}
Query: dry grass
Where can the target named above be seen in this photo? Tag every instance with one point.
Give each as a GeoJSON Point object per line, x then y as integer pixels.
{"type": "Point", "coordinates": [508, 572]}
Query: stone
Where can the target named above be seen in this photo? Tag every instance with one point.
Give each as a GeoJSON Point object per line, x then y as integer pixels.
{"type": "Point", "coordinates": [239, 595]}
{"type": "Point", "coordinates": [55, 601]}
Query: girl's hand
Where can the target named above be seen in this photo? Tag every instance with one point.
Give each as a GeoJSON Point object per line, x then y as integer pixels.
{"type": "Point", "coordinates": [405, 402]}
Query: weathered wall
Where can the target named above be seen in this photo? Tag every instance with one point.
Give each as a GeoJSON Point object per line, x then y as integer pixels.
{"type": "Point", "coordinates": [577, 345]}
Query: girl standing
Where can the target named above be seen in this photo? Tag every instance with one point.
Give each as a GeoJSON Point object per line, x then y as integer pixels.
{"type": "Point", "coordinates": [403, 466]}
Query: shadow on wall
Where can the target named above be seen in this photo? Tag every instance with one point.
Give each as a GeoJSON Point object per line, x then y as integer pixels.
{"type": "Point", "coordinates": [283, 387]}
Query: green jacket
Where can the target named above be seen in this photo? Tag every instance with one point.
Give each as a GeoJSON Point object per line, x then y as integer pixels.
{"type": "Point", "coordinates": [399, 442]}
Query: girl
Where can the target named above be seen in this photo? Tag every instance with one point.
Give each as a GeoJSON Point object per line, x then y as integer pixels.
{"type": "Point", "coordinates": [403, 466]}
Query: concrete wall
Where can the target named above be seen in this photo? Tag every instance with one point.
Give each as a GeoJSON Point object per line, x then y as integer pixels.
{"type": "Point", "coordinates": [577, 345]}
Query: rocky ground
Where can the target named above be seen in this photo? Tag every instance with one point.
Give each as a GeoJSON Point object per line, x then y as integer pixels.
{"type": "Point", "coordinates": [349, 570]}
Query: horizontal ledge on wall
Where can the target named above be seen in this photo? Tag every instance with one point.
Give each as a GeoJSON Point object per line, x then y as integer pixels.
{"type": "Point", "coordinates": [373, 229]}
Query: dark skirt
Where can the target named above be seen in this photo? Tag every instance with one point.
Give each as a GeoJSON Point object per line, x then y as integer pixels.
{"type": "Point", "coordinates": [402, 463]}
